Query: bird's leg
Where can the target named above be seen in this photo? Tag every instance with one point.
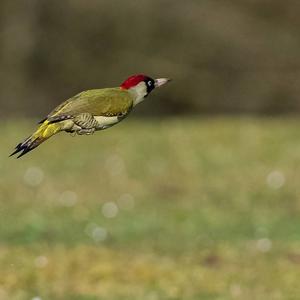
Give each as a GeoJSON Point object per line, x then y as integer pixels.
{"type": "Point", "coordinates": [86, 131]}
{"type": "Point", "coordinates": [86, 122]}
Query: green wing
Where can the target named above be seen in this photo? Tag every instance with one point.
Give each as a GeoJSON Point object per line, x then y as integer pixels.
{"type": "Point", "coordinates": [101, 102]}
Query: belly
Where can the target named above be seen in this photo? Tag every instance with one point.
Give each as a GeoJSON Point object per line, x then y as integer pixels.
{"type": "Point", "coordinates": [105, 122]}
{"type": "Point", "coordinates": [100, 124]}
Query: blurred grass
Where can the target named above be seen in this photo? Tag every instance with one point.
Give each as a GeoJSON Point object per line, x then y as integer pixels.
{"type": "Point", "coordinates": [174, 209]}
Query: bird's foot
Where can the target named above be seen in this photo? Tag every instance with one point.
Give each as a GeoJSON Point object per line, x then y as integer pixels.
{"type": "Point", "coordinates": [86, 131]}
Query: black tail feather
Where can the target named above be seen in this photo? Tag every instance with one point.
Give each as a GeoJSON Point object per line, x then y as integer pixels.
{"type": "Point", "coordinates": [26, 150]}
{"type": "Point", "coordinates": [24, 147]}
{"type": "Point", "coordinates": [44, 132]}
{"type": "Point", "coordinates": [17, 149]}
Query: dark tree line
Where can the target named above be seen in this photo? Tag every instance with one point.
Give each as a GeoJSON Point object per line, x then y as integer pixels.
{"type": "Point", "coordinates": [225, 56]}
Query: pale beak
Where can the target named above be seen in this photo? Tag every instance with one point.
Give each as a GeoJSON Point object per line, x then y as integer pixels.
{"type": "Point", "coordinates": [161, 81]}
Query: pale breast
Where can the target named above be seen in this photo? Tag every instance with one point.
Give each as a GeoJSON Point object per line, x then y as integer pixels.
{"type": "Point", "coordinates": [105, 122]}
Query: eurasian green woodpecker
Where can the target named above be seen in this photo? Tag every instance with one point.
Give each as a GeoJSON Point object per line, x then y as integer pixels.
{"type": "Point", "coordinates": [92, 110]}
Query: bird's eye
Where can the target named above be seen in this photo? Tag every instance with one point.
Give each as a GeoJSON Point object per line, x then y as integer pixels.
{"type": "Point", "coordinates": [149, 83]}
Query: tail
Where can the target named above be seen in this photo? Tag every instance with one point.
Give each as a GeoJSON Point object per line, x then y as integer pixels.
{"type": "Point", "coordinates": [44, 132]}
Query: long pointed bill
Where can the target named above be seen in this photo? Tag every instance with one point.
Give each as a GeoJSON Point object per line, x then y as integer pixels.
{"type": "Point", "coordinates": [161, 81]}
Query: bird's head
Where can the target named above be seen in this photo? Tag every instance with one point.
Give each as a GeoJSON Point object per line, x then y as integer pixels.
{"type": "Point", "coordinates": [142, 85]}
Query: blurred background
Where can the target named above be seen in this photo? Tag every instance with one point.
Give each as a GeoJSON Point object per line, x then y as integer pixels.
{"type": "Point", "coordinates": [225, 56]}
{"type": "Point", "coordinates": [196, 194]}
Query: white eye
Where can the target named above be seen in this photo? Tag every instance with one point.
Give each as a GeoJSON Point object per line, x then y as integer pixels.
{"type": "Point", "coordinates": [149, 83]}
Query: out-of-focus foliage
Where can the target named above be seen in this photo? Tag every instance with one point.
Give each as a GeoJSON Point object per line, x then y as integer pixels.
{"type": "Point", "coordinates": [224, 56]}
{"type": "Point", "coordinates": [203, 210]}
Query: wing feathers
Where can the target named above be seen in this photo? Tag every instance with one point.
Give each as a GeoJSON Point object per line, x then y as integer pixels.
{"type": "Point", "coordinates": [102, 102]}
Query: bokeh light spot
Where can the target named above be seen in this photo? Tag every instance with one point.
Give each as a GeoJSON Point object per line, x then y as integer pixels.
{"type": "Point", "coordinates": [110, 209]}
{"type": "Point", "coordinates": [114, 164]}
{"type": "Point", "coordinates": [264, 245]}
{"type": "Point", "coordinates": [68, 198]}
{"type": "Point", "coordinates": [33, 176]}
{"type": "Point", "coordinates": [126, 201]}
{"type": "Point", "coordinates": [97, 233]}
{"type": "Point", "coordinates": [275, 179]}
{"type": "Point", "coordinates": [41, 261]}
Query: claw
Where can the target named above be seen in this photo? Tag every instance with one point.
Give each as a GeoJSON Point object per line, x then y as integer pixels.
{"type": "Point", "coordinates": [86, 131]}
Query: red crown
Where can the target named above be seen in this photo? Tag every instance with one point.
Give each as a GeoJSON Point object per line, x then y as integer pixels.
{"type": "Point", "coordinates": [133, 81]}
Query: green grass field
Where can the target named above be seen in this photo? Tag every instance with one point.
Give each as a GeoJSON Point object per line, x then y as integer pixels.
{"type": "Point", "coordinates": [174, 209]}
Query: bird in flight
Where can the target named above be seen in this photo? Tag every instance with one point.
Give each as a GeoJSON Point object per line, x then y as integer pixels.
{"type": "Point", "coordinates": [92, 110]}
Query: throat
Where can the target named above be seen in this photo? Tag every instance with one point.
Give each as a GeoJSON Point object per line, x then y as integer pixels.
{"type": "Point", "coordinates": [138, 99]}
{"type": "Point", "coordinates": [139, 93]}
